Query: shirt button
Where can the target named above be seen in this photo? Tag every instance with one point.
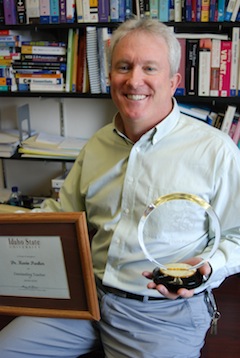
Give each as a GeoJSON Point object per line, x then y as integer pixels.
{"type": "Point", "coordinates": [126, 211]}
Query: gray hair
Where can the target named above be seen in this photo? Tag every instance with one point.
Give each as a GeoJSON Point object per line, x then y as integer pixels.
{"type": "Point", "coordinates": [153, 27]}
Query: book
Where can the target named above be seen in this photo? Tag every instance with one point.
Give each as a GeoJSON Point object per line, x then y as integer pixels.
{"type": "Point", "coordinates": [79, 11]}
{"type": "Point", "coordinates": [236, 11]}
{"type": "Point", "coordinates": [70, 11]}
{"type": "Point", "coordinates": [204, 67]}
{"type": "Point", "coordinates": [219, 120]}
{"type": "Point", "coordinates": [213, 11]}
{"type": "Point", "coordinates": [10, 15]}
{"type": "Point", "coordinates": [177, 10]}
{"type": "Point", "coordinates": [215, 67]}
{"type": "Point", "coordinates": [129, 9]}
{"type": "Point", "coordinates": [45, 50]}
{"type": "Point", "coordinates": [75, 60]}
{"type": "Point", "coordinates": [54, 12]}
{"type": "Point", "coordinates": [62, 11]}
{"type": "Point", "coordinates": [32, 10]}
{"type": "Point", "coordinates": [188, 11]}
{"type": "Point", "coordinates": [229, 10]}
{"type": "Point", "coordinates": [228, 118]}
{"type": "Point", "coordinates": [234, 125]}
{"type": "Point", "coordinates": [81, 61]}
{"type": "Point", "coordinates": [221, 10]}
{"type": "Point", "coordinates": [69, 60]}
{"type": "Point", "coordinates": [163, 12]}
{"type": "Point", "coordinates": [198, 112]}
{"type": "Point", "coordinates": [154, 9]}
{"type": "Point", "coordinates": [44, 11]}
{"type": "Point", "coordinates": [93, 60]}
{"type": "Point", "coordinates": [181, 90]}
{"type": "Point", "coordinates": [236, 134]}
{"type": "Point", "coordinates": [235, 57]}
{"type": "Point", "coordinates": [86, 10]}
{"type": "Point", "coordinates": [21, 12]}
{"type": "Point", "coordinates": [198, 10]}
{"type": "Point", "coordinates": [103, 10]}
{"type": "Point", "coordinates": [114, 10]}
{"type": "Point", "coordinates": [205, 8]}
{"type": "Point", "coordinates": [103, 48]}
{"type": "Point", "coordinates": [191, 74]}
{"type": "Point", "coordinates": [225, 68]}
{"type": "Point", "coordinates": [93, 10]}
{"type": "Point", "coordinates": [43, 58]}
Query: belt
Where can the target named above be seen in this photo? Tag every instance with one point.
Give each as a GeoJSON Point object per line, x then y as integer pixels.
{"type": "Point", "coordinates": [124, 294]}
{"type": "Point", "coordinates": [133, 296]}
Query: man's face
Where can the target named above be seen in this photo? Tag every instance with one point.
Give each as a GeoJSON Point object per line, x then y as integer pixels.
{"type": "Point", "coordinates": [141, 86]}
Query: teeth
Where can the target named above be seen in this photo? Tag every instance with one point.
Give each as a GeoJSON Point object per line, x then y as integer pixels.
{"type": "Point", "coordinates": [136, 97]}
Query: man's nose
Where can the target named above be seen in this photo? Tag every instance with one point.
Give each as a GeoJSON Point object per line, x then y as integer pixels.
{"type": "Point", "coordinates": [135, 77]}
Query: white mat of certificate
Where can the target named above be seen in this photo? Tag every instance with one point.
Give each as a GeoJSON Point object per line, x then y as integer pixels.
{"type": "Point", "coordinates": [33, 266]}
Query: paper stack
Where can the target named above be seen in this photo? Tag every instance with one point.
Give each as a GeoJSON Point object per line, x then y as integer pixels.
{"type": "Point", "coordinates": [9, 141]}
{"type": "Point", "coordinates": [44, 145]}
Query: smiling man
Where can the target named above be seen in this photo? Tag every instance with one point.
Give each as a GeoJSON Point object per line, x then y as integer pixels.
{"type": "Point", "coordinates": [148, 151]}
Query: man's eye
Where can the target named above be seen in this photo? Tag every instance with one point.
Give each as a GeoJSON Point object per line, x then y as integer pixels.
{"type": "Point", "coordinates": [123, 68]}
{"type": "Point", "coordinates": [150, 69]}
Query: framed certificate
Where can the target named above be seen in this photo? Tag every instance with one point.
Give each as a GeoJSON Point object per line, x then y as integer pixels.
{"type": "Point", "coordinates": [46, 266]}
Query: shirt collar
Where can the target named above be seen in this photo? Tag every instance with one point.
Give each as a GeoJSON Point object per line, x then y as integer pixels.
{"type": "Point", "coordinates": [156, 133]}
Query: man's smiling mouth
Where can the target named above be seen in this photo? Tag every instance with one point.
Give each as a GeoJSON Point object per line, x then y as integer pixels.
{"type": "Point", "coordinates": [136, 97]}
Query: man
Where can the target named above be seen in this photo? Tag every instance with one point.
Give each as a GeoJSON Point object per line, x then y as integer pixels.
{"type": "Point", "coordinates": [149, 150]}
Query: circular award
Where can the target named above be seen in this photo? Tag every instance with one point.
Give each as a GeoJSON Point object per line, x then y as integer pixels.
{"type": "Point", "coordinates": [175, 275]}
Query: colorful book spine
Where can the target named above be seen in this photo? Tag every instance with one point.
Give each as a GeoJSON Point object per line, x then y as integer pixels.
{"type": "Point", "coordinates": [86, 10]}
{"type": "Point", "coordinates": [213, 11]}
{"type": "Point", "coordinates": [163, 12]}
{"type": "Point", "coordinates": [225, 68]}
{"type": "Point", "coordinates": [79, 11]}
{"type": "Point", "coordinates": [235, 66]}
{"type": "Point", "coordinates": [215, 67]}
{"type": "Point", "coordinates": [122, 10]}
{"type": "Point", "coordinates": [229, 10]}
{"type": "Point", "coordinates": [44, 10]}
{"type": "Point", "coordinates": [205, 7]}
{"type": "Point", "coordinates": [154, 9]}
{"type": "Point", "coordinates": [228, 118]}
{"type": "Point", "coordinates": [236, 11]}
{"type": "Point", "coordinates": [10, 15]}
{"type": "Point", "coordinates": [198, 10]}
{"type": "Point", "coordinates": [47, 50]}
{"type": "Point", "coordinates": [70, 11]}
{"type": "Point", "coordinates": [128, 9]}
{"type": "Point", "coordinates": [54, 11]}
{"type": "Point", "coordinates": [69, 60]}
{"type": "Point", "coordinates": [21, 12]}
{"type": "Point", "coordinates": [103, 10]}
{"type": "Point", "coordinates": [114, 10]}
{"type": "Point", "coordinates": [32, 10]}
{"type": "Point", "coordinates": [188, 10]}
{"type": "Point", "coordinates": [177, 10]}
{"type": "Point", "coordinates": [192, 49]}
{"type": "Point", "coordinates": [93, 10]}
{"type": "Point", "coordinates": [221, 10]}
{"type": "Point", "coordinates": [62, 11]}
{"type": "Point", "coordinates": [204, 67]}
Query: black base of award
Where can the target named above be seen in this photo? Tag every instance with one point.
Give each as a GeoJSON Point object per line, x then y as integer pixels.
{"type": "Point", "coordinates": [176, 276]}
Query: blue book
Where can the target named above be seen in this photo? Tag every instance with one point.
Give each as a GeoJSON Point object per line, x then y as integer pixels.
{"type": "Point", "coordinates": [54, 11]}
{"type": "Point", "coordinates": [221, 10]}
{"type": "Point", "coordinates": [212, 10]}
{"type": "Point", "coordinates": [163, 10]}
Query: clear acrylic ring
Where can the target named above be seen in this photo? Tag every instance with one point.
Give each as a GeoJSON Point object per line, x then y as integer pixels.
{"type": "Point", "coordinates": [180, 196]}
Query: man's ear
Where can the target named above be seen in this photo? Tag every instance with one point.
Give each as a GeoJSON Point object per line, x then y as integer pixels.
{"type": "Point", "coordinates": [175, 81]}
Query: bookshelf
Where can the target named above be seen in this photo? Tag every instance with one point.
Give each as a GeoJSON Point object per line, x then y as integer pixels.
{"type": "Point", "coordinates": [59, 32]}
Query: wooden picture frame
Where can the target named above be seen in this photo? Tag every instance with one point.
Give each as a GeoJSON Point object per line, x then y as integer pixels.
{"type": "Point", "coordinates": [71, 228]}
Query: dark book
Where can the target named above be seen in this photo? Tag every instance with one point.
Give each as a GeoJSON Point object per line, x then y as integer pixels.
{"type": "Point", "coordinates": [191, 74]}
{"type": "Point", "coordinates": [21, 12]}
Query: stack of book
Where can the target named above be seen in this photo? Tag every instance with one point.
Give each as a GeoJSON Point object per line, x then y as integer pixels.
{"type": "Point", "coordinates": [41, 67]}
{"type": "Point", "coordinates": [10, 45]}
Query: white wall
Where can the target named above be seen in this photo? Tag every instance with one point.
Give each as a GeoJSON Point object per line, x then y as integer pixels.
{"type": "Point", "coordinates": [82, 117]}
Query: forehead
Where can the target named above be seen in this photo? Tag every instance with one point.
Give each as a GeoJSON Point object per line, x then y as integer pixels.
{"type": "Point", "coordinates": [142, 44]}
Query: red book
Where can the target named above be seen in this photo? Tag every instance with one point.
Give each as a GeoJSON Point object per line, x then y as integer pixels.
{"type": "Point", "coordinates": [225, 68]}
